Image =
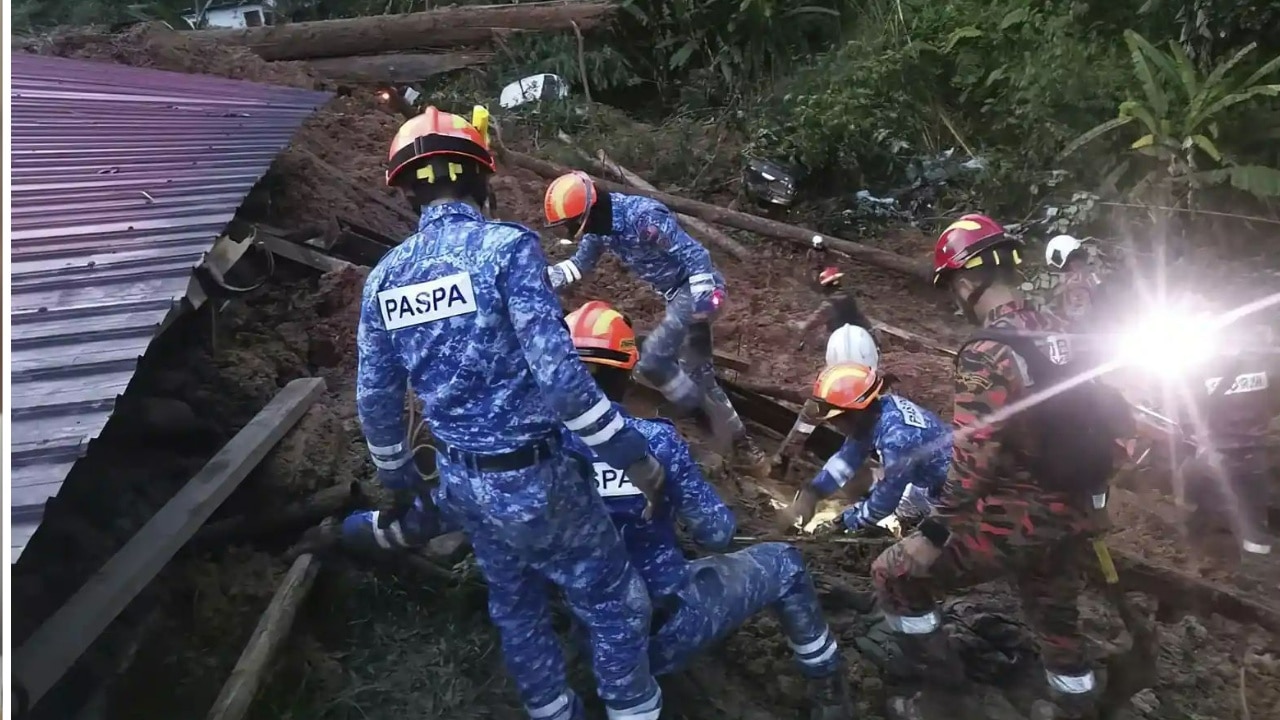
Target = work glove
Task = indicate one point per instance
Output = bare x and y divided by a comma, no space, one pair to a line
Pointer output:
706,300
400,488
647,474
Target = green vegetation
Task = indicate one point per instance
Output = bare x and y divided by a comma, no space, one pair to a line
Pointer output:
860,93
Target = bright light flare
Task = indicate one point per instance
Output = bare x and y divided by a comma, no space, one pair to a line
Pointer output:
1169,342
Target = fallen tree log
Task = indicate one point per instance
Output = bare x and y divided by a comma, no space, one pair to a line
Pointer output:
327,502
443,28
732,218
395,68
238,693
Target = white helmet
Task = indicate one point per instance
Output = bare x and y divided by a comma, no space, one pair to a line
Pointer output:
1059,249
852,344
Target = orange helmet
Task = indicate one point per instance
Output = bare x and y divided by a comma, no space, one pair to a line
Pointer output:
848,386
603,335
436,133
829,276
568,197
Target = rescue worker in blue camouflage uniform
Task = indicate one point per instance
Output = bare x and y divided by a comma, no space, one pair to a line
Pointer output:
644,234
914,446
689,615
461,313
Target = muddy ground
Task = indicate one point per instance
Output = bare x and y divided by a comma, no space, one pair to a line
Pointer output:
389,643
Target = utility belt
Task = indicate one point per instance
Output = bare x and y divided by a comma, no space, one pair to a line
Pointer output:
518,459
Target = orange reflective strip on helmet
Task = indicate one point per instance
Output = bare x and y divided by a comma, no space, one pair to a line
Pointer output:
603,336
848,386
569,196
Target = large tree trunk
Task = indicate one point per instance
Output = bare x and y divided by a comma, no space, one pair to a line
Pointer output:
447,27
395,68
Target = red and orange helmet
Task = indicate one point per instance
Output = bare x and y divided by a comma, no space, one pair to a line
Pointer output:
829,276
569,197
960,246
436,133
603,336
848,386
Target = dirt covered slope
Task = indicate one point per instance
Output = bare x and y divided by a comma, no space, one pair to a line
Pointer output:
384,643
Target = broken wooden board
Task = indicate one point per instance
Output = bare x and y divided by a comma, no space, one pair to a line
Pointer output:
824,442
273,627
304,255
63,638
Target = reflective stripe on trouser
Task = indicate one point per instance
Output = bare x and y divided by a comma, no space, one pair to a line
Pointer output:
724,591
542,526
1046,577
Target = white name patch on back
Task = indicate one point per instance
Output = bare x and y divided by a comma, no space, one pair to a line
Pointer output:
612,482
426,302
911,413
1248,382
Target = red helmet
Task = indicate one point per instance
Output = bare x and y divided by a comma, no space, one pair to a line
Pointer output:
830,276
964,240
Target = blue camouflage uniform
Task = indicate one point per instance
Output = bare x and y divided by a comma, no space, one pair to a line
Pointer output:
461,312
914,447
676,356
701,601
696,602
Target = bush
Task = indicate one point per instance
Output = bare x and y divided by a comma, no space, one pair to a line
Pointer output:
1005,80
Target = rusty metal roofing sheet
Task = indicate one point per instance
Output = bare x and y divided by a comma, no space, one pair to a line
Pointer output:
122,179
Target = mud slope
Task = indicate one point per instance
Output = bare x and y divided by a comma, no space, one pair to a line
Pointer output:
379,645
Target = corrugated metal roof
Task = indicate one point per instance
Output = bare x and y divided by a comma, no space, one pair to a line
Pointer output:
122,179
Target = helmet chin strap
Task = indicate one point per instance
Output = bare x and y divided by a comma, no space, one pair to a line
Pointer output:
969,305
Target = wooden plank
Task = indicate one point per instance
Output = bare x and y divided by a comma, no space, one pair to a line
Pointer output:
56,645
305,255
273,627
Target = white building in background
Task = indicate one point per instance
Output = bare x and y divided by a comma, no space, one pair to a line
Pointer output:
235,14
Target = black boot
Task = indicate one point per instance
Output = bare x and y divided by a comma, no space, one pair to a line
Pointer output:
931,659
829,698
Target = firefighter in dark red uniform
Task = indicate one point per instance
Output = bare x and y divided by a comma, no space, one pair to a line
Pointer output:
997,517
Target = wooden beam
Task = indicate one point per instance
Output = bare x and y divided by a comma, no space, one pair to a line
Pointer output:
273,627
55,645
743,221
305,255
